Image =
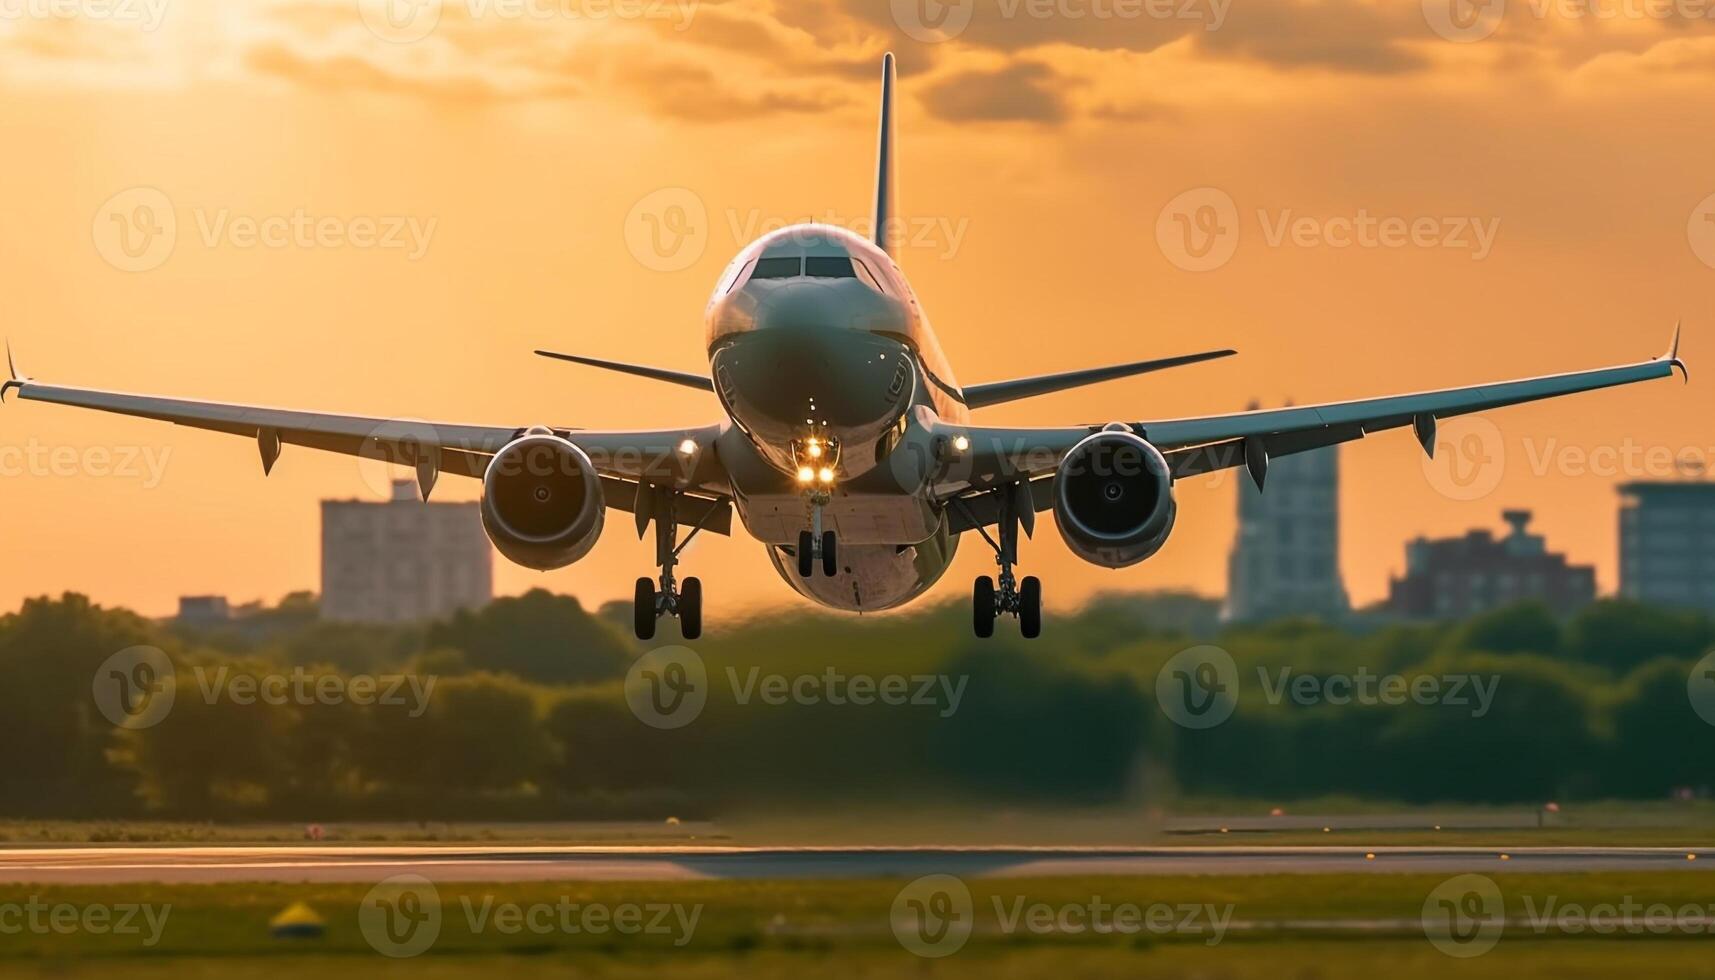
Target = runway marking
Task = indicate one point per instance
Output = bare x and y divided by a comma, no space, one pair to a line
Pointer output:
95,865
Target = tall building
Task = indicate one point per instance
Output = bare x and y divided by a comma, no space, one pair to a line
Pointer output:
1455,577
1667,543
203,610
1286,557
403,560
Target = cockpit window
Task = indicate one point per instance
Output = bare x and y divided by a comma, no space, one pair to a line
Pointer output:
829,267
777,268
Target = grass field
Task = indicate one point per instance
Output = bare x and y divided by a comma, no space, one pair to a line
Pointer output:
1313,926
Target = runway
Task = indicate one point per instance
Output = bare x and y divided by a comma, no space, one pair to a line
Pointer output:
114,865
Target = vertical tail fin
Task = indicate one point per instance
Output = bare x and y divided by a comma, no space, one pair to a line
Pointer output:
884,175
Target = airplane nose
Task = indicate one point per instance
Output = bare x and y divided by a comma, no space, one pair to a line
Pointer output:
805,369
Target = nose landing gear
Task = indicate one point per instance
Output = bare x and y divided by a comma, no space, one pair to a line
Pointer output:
649,602
1021,598
818,544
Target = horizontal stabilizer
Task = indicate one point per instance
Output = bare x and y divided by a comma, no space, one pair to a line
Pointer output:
977,396
643,371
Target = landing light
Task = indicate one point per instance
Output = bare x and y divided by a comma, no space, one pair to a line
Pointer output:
815,449
805,474
826,475
961,443
688,447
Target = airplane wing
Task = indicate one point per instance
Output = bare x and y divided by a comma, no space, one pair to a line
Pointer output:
998,456
623,459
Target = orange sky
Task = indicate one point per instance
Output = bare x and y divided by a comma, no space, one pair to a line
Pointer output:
518,149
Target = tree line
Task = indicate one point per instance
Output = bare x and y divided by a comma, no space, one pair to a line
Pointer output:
521,711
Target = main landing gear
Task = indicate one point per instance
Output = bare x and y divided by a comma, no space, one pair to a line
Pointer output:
1021,598
817,546
670,598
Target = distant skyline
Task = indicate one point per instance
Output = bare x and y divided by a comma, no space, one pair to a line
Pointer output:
277,204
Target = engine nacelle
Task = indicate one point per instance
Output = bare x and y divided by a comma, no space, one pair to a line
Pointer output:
1113,499
542,503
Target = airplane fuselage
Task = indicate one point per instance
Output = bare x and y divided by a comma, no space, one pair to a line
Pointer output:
821,356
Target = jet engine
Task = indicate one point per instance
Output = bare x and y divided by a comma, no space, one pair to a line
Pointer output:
1113,499
542,503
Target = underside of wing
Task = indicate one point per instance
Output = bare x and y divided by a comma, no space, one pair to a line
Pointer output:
680,459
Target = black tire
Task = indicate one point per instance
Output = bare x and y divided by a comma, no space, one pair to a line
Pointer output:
982,607
643,609
830,556
1030,607
806,554
691,608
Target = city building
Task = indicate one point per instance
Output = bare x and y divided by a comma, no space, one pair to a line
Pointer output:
204,610
1455,577
402,560
1286,557
1667,543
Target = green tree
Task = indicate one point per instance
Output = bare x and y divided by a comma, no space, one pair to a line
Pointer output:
538,636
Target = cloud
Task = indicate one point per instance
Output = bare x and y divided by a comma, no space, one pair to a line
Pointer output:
1023,92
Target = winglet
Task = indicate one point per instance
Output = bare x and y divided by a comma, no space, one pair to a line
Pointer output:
13,379
1672,356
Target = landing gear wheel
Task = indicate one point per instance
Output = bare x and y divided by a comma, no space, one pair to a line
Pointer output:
643,609
691,608
806,554
1030,607
830,556
983,608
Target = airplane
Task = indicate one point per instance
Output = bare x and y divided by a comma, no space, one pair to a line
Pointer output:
847,445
